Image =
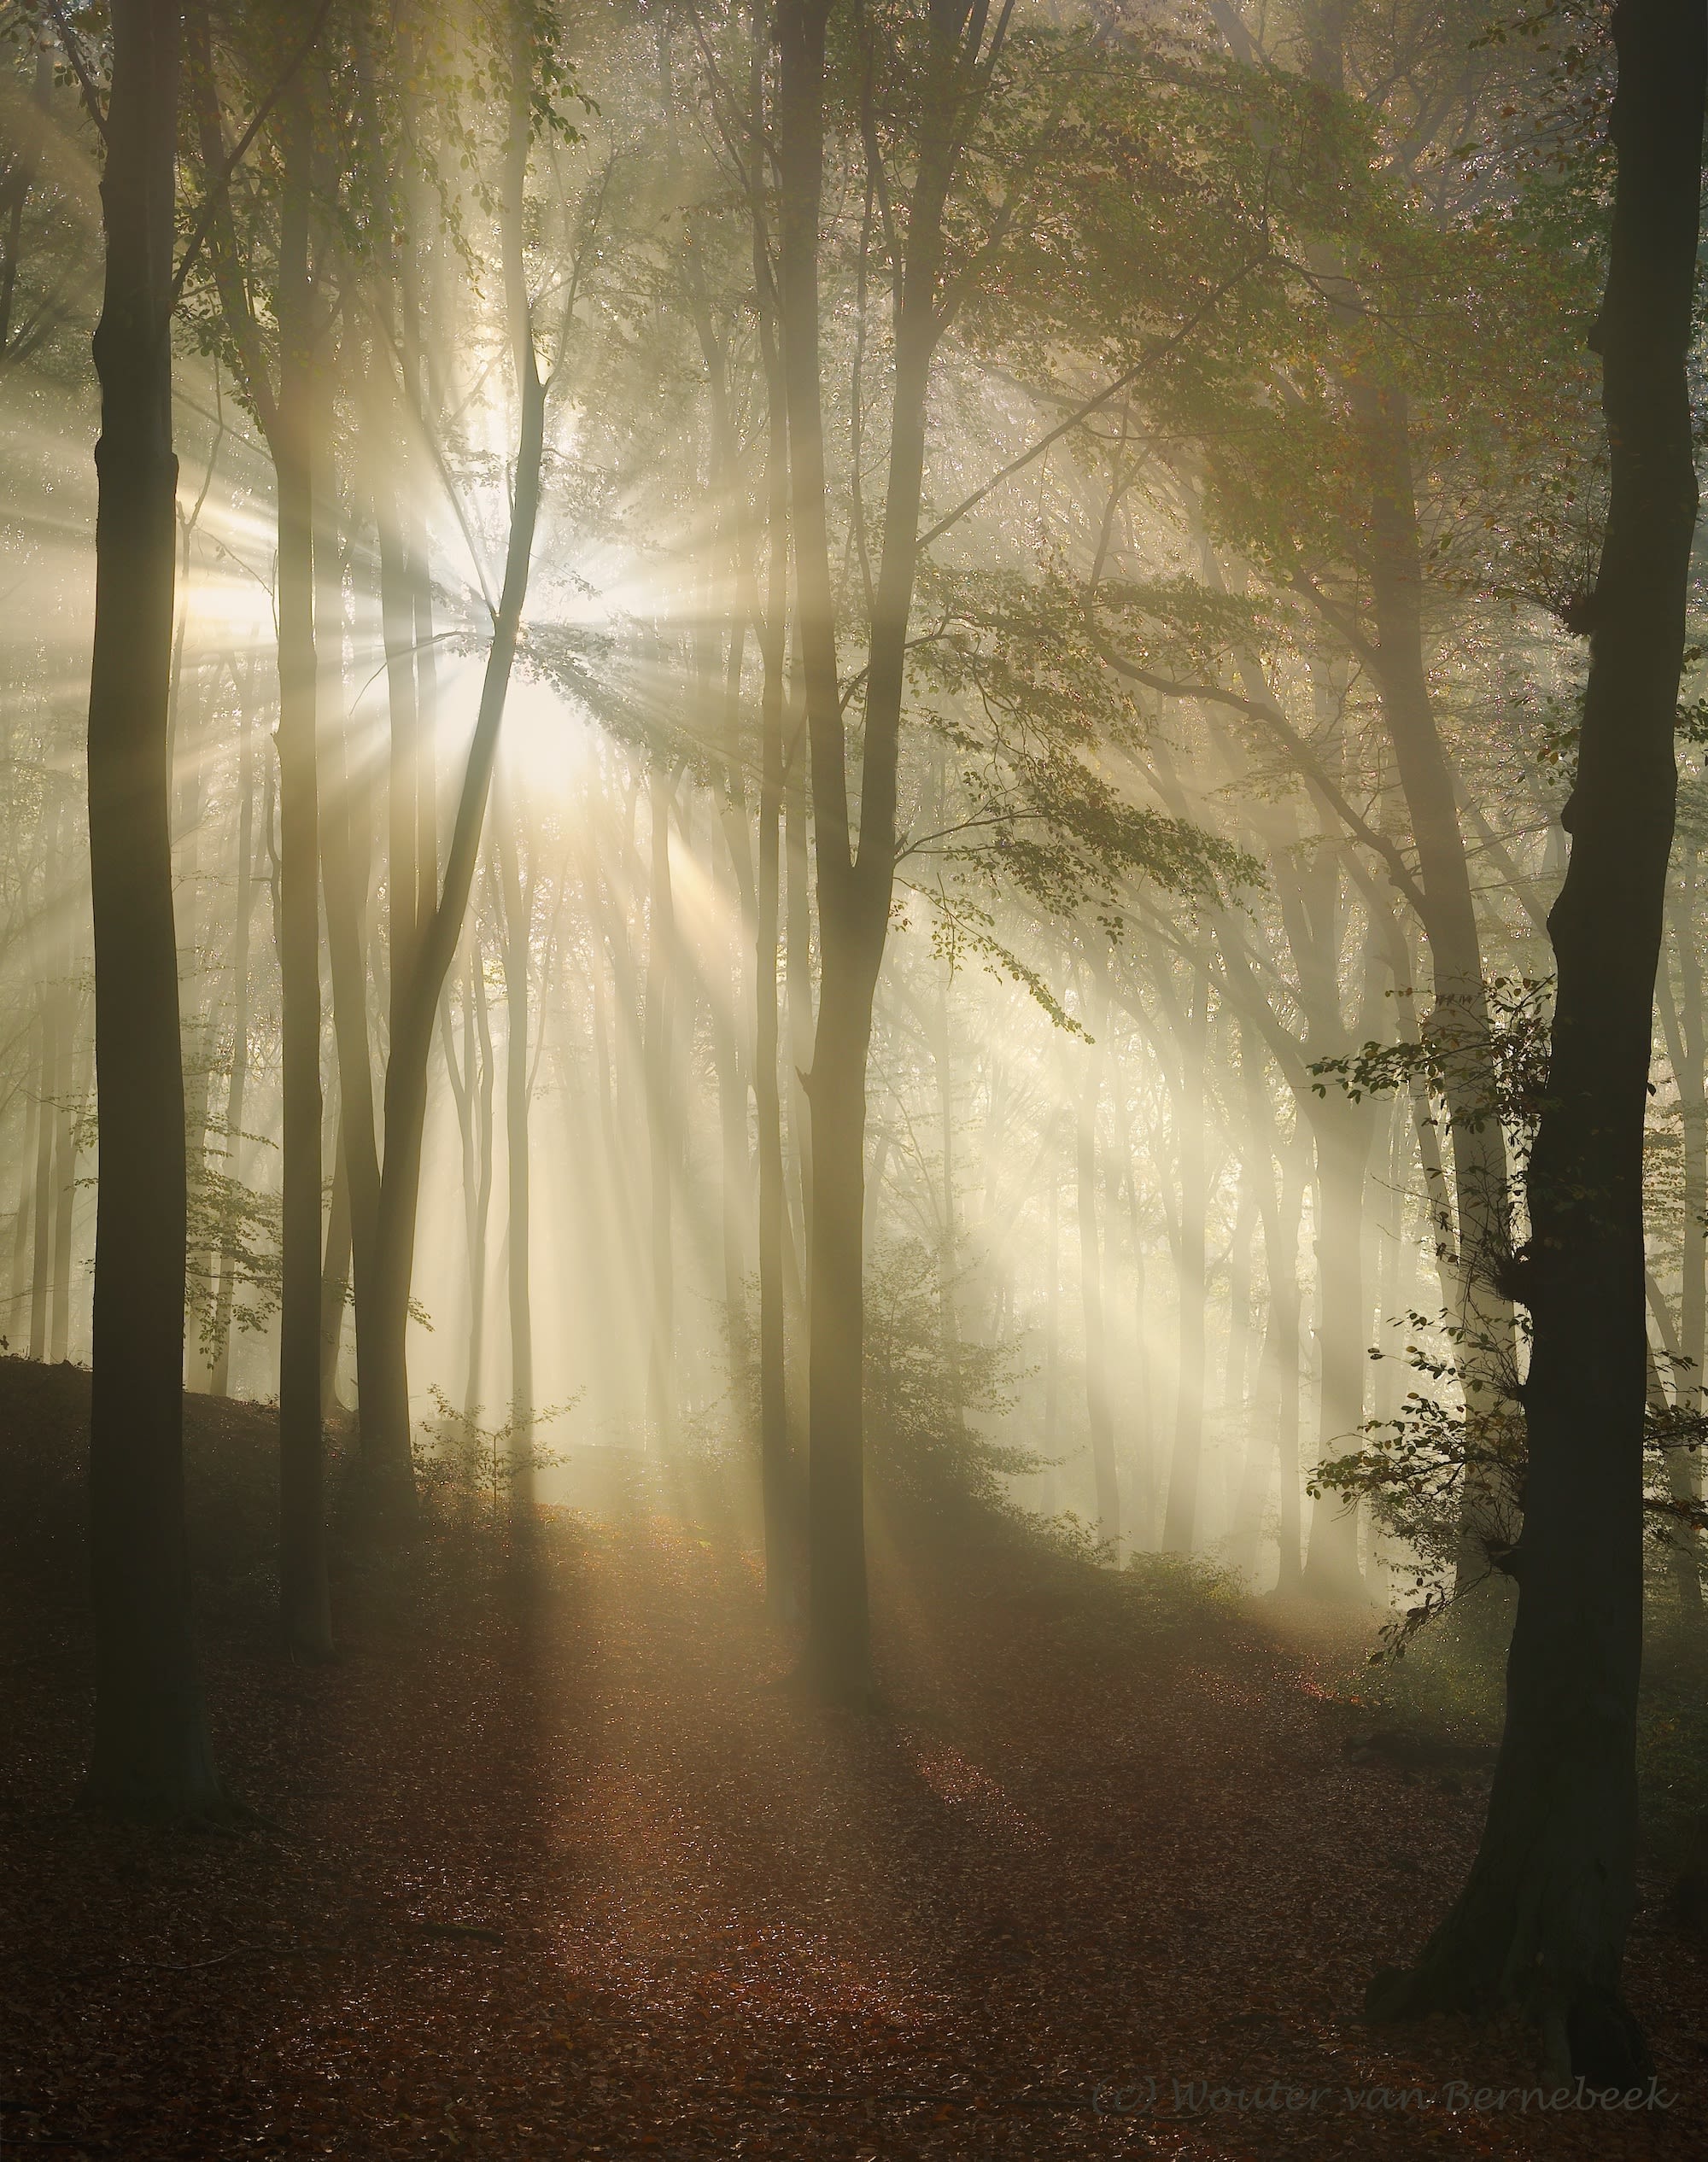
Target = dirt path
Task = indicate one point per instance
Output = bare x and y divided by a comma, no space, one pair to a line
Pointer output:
564,1872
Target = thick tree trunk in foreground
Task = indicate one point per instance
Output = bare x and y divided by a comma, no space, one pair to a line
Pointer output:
151,1754
1542,1919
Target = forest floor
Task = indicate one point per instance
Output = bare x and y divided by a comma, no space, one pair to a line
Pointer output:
548,1864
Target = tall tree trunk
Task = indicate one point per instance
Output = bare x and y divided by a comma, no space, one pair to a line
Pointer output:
15,191
23,1241
305,1600
345,827
798,989
335,1278
1681,1480
483,1101
1142,1512
777,1476
854,885
1099,1413
661,984
47,1132
1682,1019
1343,1132
68,1089
1459,1020
219,1372
518,915
384,1494
151,1754
1542,1919
1179,1528
1052,1322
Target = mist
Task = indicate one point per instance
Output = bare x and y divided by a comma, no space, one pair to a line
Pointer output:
852,1049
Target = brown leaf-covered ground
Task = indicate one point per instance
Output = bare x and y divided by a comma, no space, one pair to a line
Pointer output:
549,1864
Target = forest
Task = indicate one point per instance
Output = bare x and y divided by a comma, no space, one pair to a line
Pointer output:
853,1079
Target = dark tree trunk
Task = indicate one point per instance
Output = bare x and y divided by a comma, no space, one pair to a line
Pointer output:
1542,1919
151,1754
305,1601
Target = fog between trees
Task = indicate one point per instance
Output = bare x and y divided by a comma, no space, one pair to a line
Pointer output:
865,716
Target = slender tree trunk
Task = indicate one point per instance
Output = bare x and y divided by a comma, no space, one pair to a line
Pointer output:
1285,1290
47,1132
345,824
519,913
1543,1920
1052,1323
1459,1021
1099,1413
220,1371
397,630
1343,1132
1144,1529
150,1754
385,1495
948,1251
776,1470
335,1279
661,972
305,1599
798,989
23,1243
68,1090
1687,1576
854,885
1179,1528
483,1187
1258,1180
15,191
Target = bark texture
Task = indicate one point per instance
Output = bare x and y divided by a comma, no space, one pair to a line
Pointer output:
1543,1920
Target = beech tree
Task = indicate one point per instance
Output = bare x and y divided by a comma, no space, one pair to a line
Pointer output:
151,1754
1543,1920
